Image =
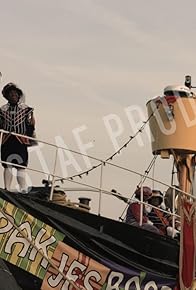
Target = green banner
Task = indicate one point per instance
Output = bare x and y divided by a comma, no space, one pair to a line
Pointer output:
19,232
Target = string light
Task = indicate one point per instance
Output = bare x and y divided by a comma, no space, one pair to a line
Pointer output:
140,130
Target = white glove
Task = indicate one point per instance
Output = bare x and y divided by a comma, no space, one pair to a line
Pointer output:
149,222
170,232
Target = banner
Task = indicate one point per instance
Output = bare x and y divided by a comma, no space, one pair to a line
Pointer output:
61,267
17,230
89,274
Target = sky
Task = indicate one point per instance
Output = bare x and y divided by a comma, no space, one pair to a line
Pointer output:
83,64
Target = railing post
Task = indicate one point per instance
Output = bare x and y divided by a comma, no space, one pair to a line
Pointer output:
1,137
141,205
53,175
100,189
173,212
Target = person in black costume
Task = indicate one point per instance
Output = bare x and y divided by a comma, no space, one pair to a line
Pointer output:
15,117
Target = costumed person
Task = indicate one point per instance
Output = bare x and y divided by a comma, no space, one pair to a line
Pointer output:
160,219
133,211
15,117
169,197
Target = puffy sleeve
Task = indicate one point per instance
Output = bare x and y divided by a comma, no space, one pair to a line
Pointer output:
135,209
1,119
30,122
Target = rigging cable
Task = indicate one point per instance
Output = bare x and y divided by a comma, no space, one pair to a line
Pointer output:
147,171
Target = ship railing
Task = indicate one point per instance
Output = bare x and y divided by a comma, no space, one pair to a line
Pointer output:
54,177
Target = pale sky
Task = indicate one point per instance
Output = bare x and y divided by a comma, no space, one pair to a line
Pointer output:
81,60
